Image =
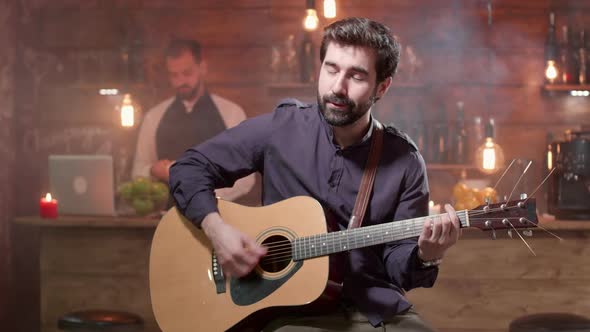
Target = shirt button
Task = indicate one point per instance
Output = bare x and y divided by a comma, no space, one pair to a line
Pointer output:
338,152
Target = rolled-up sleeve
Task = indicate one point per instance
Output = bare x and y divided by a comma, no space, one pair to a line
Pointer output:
217,163
400,257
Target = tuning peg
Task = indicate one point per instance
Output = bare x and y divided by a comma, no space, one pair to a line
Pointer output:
523,196
510,233
528,232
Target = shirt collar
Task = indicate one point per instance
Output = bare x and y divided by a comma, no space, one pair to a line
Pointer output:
330,131
189,107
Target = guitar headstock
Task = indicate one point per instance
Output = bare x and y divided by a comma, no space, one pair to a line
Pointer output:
513,214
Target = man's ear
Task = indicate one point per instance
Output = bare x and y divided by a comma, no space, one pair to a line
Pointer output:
203,67
383,87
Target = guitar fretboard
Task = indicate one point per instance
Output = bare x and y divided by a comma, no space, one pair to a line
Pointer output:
334,242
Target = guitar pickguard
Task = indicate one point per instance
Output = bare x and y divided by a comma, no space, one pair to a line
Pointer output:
253,287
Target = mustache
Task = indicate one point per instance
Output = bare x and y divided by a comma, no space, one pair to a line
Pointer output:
338,100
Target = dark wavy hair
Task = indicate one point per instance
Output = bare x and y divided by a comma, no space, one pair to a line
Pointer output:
178,46
357,31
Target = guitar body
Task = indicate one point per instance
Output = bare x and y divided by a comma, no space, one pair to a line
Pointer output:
186,293
189,292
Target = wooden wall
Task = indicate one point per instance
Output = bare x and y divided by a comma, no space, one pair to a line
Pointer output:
7,148
67,49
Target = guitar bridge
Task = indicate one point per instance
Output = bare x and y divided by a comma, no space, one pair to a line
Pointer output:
218,276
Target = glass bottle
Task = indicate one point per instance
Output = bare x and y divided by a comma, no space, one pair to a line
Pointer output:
582,54
459,144
566,60
306,59
440,138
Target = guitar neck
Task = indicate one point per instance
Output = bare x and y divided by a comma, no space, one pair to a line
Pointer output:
335,242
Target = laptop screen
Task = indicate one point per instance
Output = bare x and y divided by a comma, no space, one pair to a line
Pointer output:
83,184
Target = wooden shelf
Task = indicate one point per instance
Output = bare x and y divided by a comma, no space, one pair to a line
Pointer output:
292,89
449,167
298,89
563,89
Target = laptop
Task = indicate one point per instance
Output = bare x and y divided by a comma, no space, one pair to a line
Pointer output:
83,184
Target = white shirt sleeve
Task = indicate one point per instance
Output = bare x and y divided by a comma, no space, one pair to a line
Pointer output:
145,151
232,114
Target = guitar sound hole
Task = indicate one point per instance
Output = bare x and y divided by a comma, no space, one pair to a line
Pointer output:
278,255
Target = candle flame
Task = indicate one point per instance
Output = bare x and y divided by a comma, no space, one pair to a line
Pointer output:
431,204
48,197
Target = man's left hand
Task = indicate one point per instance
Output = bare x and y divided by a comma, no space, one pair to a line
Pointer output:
439,233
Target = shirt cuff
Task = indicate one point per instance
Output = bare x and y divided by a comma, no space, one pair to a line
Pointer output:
200,206
421,276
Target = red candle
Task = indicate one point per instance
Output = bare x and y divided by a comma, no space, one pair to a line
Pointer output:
48,207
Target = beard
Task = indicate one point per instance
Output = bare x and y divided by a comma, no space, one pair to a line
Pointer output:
343,116
188,93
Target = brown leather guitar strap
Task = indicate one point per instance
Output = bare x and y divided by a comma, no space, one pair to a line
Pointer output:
366,186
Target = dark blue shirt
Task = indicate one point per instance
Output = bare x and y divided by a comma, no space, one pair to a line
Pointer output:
294,150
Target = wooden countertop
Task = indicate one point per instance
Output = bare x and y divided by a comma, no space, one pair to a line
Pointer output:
90,221
545,221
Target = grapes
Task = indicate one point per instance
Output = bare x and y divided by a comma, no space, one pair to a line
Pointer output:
144,195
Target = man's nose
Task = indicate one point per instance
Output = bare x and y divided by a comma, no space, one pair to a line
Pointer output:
339,86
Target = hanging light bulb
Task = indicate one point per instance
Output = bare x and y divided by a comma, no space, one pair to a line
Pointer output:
127,112
489,157
549,157
551,71
311,20
329,8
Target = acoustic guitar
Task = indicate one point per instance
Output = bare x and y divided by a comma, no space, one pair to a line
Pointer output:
189,291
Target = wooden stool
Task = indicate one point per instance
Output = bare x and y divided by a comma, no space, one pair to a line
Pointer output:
100,320
550,322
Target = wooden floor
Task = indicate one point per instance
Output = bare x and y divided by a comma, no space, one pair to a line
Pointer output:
483,284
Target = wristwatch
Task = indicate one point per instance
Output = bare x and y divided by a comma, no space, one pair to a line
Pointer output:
430,263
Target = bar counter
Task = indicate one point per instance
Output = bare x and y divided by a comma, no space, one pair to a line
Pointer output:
94,263
483,284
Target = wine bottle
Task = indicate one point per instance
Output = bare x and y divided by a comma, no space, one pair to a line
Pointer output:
440,138
476,136
459,144
582,54
417,131
399,120
566,60
306,61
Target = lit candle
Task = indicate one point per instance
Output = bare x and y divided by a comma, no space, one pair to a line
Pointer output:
48,207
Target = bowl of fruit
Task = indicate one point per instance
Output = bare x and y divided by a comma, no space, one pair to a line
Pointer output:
144,195
466,198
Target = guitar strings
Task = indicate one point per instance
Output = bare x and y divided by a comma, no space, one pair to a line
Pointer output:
282,250
284,243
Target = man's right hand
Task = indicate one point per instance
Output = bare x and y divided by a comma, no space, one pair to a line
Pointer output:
237,253
161,170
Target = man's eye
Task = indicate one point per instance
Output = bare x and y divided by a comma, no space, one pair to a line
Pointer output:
358,78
